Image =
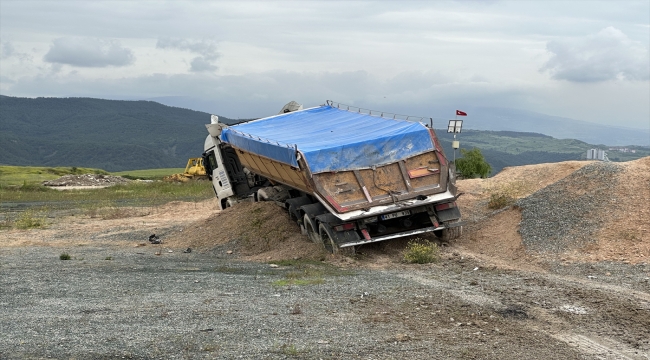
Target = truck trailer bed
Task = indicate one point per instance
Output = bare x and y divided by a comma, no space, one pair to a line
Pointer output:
351,160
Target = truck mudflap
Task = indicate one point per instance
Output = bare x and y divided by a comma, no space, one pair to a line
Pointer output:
448,214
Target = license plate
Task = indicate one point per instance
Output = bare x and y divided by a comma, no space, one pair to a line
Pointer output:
396,214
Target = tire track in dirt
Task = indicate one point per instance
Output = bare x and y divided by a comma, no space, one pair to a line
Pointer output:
612,311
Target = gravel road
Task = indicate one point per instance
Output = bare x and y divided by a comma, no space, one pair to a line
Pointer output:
515,286
113,301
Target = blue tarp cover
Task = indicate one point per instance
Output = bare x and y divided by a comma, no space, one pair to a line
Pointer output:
331,139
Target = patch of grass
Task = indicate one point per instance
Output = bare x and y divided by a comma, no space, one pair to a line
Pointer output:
210,348
149,174
420,251
506,194
307,272
116,212
65,256
290,350
6,224
299,263
28,220
298,282
499,201
630,235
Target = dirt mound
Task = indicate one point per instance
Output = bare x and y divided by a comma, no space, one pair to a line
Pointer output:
625,235
581,211
87,180
568,213
258,231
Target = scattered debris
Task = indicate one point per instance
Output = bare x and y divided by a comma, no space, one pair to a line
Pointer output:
87,180
579,310
154,239
295,309
402,337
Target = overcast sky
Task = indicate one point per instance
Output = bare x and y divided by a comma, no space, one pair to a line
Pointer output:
578,59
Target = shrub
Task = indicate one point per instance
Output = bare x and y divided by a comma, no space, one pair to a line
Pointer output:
28,220
473,164
420,251
506,194
500,200
65,256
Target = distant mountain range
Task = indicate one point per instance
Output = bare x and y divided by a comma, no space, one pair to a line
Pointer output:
117,135
504,119
109,134
498,119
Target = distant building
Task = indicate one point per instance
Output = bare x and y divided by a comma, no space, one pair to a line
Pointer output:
625,150
596,154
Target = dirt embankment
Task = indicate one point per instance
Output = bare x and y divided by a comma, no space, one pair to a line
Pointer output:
571,211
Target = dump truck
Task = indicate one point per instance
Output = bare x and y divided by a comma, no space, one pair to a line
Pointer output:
347,176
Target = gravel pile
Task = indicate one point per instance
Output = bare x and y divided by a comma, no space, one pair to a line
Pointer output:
87,180
567,213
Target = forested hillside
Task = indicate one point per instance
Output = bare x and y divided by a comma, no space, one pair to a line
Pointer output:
126,135
108,134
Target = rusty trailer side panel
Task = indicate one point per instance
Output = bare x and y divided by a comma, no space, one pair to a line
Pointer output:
406,179
276,171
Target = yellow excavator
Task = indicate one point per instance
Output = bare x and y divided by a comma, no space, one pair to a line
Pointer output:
194,170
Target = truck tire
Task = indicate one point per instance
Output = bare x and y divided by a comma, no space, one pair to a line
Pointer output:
327,237
449,234
311,229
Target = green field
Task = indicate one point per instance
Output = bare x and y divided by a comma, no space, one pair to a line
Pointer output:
149,173
21,189
30,175
22,175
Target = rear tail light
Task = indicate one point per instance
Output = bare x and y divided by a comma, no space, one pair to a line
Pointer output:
445,206
344,227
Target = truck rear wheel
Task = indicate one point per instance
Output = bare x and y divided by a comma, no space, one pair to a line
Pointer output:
327,237
449,234
312,230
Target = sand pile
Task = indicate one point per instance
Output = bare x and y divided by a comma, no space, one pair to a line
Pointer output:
582,211
258,231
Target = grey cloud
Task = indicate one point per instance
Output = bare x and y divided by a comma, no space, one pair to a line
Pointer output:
205,48
606,55
6,50
88,52
200,64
